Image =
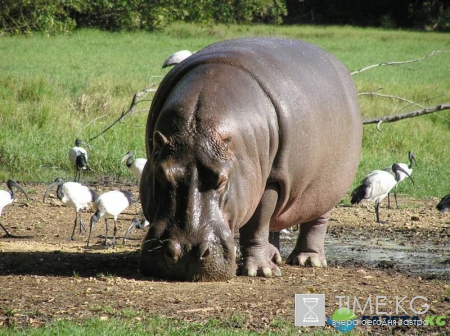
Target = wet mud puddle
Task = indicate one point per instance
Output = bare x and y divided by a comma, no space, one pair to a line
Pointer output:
427,260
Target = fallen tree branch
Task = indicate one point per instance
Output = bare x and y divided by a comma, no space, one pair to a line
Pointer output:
411,114
433,53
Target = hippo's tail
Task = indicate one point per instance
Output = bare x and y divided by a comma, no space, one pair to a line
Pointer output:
358,194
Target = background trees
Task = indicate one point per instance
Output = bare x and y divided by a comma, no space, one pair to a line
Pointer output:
50,16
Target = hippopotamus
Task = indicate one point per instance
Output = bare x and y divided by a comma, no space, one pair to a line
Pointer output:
247,136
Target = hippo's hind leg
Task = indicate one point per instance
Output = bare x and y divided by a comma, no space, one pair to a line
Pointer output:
259,256
309,250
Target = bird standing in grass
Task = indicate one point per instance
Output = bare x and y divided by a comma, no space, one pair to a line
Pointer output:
376,186
137,223
135,166
75,195
110,205
79,158
407,168
443,205
176,58
7,197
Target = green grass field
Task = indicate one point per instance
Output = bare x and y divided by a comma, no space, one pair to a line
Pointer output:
138,325
54,89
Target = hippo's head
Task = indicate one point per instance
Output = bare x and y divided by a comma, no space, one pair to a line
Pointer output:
183,190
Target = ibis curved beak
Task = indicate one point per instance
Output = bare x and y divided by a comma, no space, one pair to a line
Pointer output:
48,190
85,143
17,185
126,157
396,168
412,160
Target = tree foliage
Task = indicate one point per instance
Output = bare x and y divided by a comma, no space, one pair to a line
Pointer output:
50,16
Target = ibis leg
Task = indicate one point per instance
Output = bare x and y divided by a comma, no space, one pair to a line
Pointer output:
74,227
395,195
90,231
377,211
115,232
106,234
6,231
82,228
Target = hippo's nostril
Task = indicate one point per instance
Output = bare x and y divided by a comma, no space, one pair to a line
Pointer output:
173,250
205,252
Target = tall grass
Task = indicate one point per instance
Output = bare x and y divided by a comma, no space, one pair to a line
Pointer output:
55,89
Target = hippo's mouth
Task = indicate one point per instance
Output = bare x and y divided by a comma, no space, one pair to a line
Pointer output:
219,265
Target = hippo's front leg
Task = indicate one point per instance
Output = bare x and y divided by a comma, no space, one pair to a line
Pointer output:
259,256
309,249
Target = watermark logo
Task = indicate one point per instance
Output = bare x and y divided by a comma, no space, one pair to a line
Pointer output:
310,310
343,319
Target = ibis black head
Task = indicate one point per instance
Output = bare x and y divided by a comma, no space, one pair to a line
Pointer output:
128,158
396,169
79,142
11,183
57,182
412,159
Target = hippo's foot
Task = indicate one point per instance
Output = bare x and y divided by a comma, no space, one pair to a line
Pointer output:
309,250
307,259
261,262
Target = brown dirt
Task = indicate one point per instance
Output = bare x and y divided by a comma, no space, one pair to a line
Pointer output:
44,276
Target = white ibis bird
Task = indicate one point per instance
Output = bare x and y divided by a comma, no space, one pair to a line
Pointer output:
110,205
135,166
79,158
376,186
7,197
137,223
176,58
443,205
407,168
75,195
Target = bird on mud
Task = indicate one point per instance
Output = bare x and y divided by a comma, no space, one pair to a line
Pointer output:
407,168
176,58
7,197
137,223
443,205
78,158
75,195
110,205
376,186
135,166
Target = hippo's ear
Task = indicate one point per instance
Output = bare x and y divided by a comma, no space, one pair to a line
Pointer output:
160,139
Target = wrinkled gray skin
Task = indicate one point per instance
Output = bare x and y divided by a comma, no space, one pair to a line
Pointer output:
254,135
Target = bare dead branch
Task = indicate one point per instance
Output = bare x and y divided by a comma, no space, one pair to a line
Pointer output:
135,101
411,114
389,96
433,53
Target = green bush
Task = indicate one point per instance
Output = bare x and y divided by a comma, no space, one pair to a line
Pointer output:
26,16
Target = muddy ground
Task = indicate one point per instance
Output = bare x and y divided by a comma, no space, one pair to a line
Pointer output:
44,276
